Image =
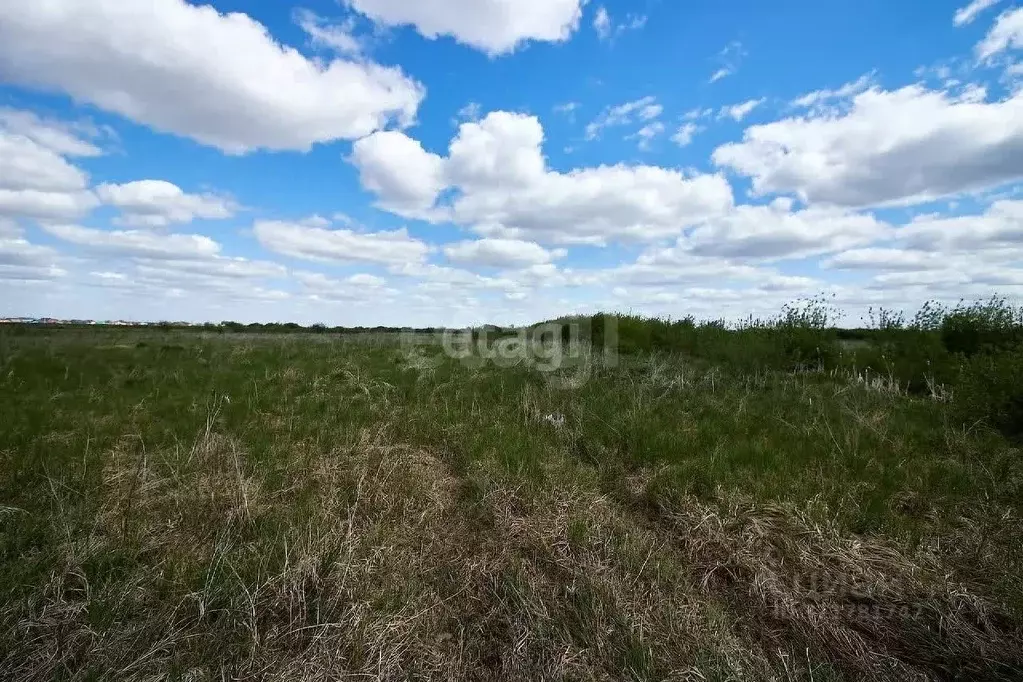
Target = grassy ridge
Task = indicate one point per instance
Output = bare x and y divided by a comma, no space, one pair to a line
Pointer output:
718,504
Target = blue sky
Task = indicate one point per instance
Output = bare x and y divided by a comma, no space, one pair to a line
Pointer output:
448,162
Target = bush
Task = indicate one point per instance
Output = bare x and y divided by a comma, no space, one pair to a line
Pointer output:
983,327
991,391
975,350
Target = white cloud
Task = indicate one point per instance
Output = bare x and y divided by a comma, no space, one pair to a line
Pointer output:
885,258
947,256
492,26
28,273
502,150
442,279
338,37
683,137
56,136
136,243
730,57
507,191
899,147
776,232
647,134
343,246
818,97
222,267
29,165
36,181
645,108
650,111
406,177
470,112
361,287
504,189
9,229
46,206
501,253
110,276
998,231
157,203
737,112
664,266
606,29
1007,33
171,277
20,259
723,72
921,279
229,84
633,22
602,23
965,15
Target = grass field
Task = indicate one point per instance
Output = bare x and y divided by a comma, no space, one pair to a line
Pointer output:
197,506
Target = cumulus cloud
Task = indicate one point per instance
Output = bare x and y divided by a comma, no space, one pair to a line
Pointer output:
216,266
46,206
998,231
676,265
492,26
229,85
157,203
776,232
900,147
57,136
176,277
355,288
339,245
946,256
503,188
885,258
36,180
406,177
137,243
147,263
501,253
30,165
21,260
440,279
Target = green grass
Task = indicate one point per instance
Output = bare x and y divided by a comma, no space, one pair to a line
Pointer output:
210,506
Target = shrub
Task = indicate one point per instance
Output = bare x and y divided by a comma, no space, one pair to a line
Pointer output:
990,390
981,327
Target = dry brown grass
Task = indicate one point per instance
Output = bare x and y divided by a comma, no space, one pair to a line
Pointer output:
376,560
866,606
